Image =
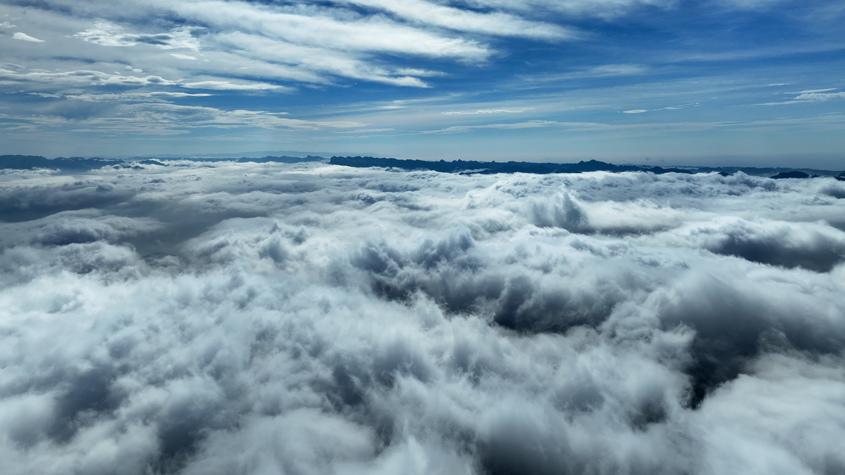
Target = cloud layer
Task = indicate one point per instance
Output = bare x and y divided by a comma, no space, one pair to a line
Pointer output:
308,319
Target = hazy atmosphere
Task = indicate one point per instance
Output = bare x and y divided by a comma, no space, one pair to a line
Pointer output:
422,237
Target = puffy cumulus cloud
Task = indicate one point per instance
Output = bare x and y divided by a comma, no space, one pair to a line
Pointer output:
218,317
815,246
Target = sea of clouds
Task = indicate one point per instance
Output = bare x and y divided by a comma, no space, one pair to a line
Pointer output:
237,318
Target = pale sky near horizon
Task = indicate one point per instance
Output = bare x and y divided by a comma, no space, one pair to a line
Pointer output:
722,82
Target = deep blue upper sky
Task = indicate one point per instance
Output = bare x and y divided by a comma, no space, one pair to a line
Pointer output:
660,81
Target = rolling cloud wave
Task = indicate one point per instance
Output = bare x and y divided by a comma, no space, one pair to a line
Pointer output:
308,319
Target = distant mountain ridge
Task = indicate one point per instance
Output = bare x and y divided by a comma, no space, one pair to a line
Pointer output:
462,166
79,164
31,162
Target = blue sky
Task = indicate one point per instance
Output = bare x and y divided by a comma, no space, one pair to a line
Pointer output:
752,82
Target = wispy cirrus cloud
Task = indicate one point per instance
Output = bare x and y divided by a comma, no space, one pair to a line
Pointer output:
290,43
483,112
105,33
90,77
152,115
317,59
490,23
811,95
522,125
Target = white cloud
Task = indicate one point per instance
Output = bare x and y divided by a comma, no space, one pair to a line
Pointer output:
635,111
83,77
126,96
152,113
104,33
601,71
183,56
819,95
495,23
811,95
486,112
528,124
372,34
62,79
226,85
24,37
422,73
316,59
609,70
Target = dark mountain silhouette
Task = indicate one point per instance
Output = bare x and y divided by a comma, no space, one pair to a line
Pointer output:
792,174
30,162
150,161
78,164
461,166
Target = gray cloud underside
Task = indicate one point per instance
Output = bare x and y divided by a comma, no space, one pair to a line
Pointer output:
309,319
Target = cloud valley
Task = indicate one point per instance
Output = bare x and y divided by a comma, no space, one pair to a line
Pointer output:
306,319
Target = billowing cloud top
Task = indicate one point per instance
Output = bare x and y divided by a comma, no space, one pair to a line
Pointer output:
205,318
607,79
